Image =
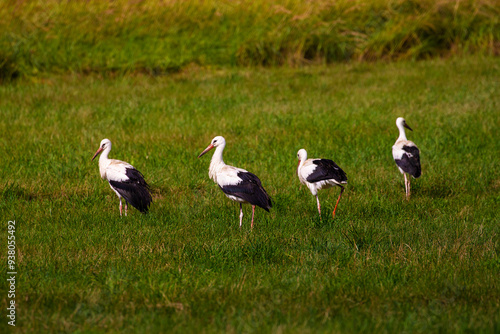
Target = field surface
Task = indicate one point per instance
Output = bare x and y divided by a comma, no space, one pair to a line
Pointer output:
383,264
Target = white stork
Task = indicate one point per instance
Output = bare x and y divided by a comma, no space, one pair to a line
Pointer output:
124,179
236,183
319,174
406,155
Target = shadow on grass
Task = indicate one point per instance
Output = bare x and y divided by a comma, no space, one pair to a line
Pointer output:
12,191
434,190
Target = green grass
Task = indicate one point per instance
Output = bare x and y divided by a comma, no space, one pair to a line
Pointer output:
157,37
383,265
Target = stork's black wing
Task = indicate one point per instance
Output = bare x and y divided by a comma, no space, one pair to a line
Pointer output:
249,189
135,190
410,161
326,169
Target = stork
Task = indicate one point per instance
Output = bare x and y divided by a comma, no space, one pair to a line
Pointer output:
237,184
319,174
124,179
406,155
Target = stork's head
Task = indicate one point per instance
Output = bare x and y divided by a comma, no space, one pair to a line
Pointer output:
400,122
105,144
217,141
302,156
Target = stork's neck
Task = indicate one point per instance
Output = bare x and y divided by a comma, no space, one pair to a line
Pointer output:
402,133
104,162
302,160
216,163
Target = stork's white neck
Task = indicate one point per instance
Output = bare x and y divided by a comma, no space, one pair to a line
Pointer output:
104,162
216,163
402,133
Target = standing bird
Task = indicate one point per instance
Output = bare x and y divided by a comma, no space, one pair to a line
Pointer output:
124,179
406,155
319,174
236,183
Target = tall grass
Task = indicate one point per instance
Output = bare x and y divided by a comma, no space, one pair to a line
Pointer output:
161,36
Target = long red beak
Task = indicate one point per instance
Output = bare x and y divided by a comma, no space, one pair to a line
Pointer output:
298,168
206,150
97,153
406,126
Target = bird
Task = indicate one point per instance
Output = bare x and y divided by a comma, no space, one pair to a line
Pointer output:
124,179
406,155
237,184
319,174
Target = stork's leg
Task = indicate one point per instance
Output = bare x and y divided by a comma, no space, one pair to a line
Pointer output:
409,188
253,213
126,208
319,206
241,214
120,206
406,186
338,200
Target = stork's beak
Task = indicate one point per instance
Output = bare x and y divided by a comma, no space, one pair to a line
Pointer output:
206,150
406,126
298,168
97,153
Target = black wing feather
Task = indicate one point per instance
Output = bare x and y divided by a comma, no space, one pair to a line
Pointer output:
410,161
135,190
249,189
326,169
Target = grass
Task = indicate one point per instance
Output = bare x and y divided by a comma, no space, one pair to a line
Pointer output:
158,37
383,265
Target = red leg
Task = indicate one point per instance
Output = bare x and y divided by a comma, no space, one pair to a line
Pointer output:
253,213
338,200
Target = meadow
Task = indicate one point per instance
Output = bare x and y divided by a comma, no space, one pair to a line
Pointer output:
383,264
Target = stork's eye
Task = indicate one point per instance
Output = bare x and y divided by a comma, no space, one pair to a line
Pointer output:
215,141
103,145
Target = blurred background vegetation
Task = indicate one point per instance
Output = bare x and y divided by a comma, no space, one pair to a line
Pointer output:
155,37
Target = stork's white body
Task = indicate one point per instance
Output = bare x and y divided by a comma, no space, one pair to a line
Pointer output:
113,170
225,175
306,169
319,174
238,184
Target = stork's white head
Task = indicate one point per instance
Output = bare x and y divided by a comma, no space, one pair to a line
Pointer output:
302,155
217,141
105,144
400,123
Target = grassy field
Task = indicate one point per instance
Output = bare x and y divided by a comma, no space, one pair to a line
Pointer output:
383,265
